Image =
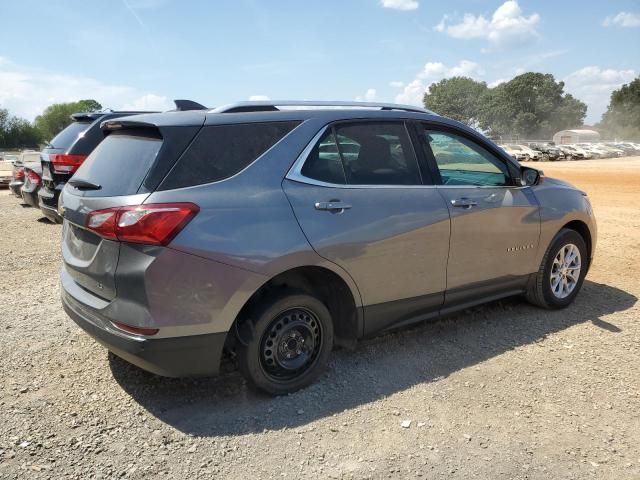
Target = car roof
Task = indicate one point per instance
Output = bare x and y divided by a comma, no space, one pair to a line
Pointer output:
247,112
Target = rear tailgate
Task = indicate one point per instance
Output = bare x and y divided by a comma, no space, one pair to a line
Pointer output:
89,259
116,174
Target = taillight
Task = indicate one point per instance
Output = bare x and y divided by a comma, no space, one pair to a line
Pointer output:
34,177
19,173
137,330
153,224
63,163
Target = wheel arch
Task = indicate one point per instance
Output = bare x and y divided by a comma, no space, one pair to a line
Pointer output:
340,296
583,229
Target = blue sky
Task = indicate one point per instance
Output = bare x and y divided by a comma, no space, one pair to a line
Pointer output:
143,53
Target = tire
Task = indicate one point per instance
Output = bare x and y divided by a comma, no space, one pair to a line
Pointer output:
290,324
541,291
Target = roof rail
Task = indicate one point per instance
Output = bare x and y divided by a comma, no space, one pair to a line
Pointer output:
272,106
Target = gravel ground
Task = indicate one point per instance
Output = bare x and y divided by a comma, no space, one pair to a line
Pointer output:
502,391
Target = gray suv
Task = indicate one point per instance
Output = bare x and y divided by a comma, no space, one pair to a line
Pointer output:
272,231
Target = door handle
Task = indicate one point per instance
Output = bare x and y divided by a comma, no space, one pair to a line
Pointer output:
332,206
464,202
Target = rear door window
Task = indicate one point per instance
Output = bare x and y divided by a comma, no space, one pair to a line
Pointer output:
368,153
377,153
69,135
221,151
120,163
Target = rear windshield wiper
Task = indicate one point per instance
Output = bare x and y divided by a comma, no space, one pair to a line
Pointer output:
84,184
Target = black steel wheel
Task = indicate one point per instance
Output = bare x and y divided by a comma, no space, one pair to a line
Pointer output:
291,344
285,342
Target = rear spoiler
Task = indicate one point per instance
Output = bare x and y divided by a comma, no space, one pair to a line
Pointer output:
186,105
86,116
120,123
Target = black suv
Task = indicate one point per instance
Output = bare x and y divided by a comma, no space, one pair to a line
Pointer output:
66,152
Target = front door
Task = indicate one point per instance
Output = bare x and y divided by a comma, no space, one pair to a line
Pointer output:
361,201
495,224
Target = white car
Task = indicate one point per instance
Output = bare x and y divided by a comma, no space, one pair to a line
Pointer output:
534,155
613,152
7,161
515,152
594,149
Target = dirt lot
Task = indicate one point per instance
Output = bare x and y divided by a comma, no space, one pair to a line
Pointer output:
503,391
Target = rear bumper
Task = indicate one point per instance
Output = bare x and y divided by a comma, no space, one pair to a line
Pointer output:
48,203
187,356
16,187
30,197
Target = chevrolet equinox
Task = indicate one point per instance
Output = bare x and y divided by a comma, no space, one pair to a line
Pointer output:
272,231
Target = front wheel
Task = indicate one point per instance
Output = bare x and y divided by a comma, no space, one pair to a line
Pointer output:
286,342
561,271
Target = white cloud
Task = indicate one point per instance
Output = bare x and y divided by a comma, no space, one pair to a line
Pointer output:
400,4
508,27
149,101
396,84
593,85
623,19
413,92
258,98
369,96
26,92
497,82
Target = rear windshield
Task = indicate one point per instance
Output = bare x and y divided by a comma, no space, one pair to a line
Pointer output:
221,151
120,163
69,135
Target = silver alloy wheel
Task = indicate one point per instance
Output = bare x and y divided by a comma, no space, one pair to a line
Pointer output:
565,271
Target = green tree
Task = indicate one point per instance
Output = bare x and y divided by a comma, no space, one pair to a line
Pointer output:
57,116
17,132
457,97
530,105
622,118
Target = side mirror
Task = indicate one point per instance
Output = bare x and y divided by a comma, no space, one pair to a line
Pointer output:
530,176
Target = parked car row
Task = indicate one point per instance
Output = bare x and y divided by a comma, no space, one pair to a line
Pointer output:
536,151
39,177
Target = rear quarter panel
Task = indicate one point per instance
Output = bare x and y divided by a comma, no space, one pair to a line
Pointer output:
247,222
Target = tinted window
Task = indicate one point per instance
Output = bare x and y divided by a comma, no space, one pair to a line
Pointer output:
463,162
69,135
323,163
221,151
377,153
120,163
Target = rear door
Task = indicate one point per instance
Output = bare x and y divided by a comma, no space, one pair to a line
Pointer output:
495,223
361,200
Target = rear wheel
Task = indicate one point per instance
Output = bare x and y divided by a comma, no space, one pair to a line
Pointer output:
286,342
561,272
